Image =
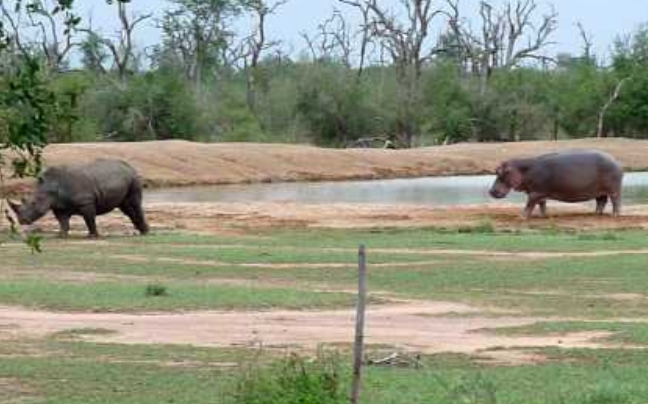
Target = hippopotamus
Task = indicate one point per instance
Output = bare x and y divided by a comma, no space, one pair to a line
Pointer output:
568,176
86,190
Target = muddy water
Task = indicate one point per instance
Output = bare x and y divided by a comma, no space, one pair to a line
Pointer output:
432,191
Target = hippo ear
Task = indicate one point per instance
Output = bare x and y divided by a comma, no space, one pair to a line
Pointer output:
514,177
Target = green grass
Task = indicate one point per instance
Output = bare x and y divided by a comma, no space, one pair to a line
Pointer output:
59,371
633,333
185,265
177,271
120,297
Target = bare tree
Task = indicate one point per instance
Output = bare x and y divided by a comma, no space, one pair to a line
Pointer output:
407,42
365,33
51,33
257,43
122,48
332,41
500,43
197,33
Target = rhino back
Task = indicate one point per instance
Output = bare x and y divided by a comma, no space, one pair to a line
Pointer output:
103,183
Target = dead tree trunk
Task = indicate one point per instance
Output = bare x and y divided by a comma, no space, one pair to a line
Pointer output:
257,43
600,131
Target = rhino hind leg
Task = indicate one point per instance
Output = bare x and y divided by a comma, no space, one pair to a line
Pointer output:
133,209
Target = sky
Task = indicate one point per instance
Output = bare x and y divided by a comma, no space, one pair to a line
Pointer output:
603,19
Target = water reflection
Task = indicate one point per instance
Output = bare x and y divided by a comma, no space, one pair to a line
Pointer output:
432,191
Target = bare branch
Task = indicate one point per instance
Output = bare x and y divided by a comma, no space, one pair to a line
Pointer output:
121,50
587,42
256,44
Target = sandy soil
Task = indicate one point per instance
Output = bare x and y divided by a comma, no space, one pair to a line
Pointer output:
416,326
228,218
185,163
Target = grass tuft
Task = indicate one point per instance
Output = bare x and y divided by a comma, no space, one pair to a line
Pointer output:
156,290
483,227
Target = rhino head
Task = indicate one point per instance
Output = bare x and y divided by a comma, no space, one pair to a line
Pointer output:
29,211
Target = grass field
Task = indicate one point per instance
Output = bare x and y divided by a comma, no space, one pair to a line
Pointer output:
551,275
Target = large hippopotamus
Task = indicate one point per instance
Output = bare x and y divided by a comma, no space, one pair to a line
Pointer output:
568,176
86,190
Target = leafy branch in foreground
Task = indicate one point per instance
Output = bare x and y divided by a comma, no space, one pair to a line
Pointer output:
25,99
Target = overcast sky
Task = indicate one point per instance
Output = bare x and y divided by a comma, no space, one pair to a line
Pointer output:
604,19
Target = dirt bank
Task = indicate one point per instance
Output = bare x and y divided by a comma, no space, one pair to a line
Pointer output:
177,163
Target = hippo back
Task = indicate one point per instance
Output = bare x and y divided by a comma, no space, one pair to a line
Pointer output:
574,175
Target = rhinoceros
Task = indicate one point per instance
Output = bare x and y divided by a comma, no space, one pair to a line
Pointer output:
86,190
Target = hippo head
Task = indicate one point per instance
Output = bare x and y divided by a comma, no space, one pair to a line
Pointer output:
31,210
508,177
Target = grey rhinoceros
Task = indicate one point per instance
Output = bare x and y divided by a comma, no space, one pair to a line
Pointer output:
86,190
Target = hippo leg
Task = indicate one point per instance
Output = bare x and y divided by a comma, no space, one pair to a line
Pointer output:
601,201
543,208
616,204
532,201
64,223
89,216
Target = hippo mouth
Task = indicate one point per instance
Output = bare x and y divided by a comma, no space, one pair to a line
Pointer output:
497,194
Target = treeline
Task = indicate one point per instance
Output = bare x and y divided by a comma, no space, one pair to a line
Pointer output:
389,78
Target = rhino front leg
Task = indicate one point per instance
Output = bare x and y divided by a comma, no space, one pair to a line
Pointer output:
89,216
64,223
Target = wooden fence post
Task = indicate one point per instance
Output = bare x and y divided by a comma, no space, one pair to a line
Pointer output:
360,320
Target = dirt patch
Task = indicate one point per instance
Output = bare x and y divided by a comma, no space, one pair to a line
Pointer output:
14,391
178,163
418,327
61,275
222,217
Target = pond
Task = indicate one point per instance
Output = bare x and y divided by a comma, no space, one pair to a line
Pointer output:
430,191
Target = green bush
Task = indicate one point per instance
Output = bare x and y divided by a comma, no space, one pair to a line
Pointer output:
333,105
155,105
294,380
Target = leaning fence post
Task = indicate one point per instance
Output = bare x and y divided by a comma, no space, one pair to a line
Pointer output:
360,320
